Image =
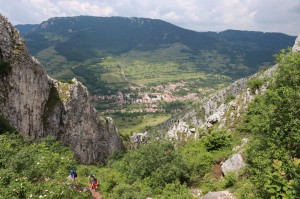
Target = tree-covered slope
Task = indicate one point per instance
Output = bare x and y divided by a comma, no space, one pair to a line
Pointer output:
274,121
98,47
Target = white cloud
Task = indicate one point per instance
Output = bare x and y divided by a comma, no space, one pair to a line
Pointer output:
83,8
199,15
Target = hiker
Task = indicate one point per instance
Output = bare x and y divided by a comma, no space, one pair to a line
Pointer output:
73,174
93,181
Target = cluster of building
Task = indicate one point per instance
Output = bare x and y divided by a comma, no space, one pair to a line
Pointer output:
150,97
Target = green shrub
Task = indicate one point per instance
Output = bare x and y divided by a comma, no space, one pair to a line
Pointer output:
35,170
229,99
217,140
131,191
158,161
230,179
176,191
273,120
5,67
197,159
278,184
5,126
255,83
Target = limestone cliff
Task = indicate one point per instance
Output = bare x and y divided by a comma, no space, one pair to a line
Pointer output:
37,105
70,117
296,47
24,85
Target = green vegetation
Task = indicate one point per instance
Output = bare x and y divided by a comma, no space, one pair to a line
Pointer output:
173,106
4,67
5,126
229,99
217,140
53,99
156,169
161,171
255,83
137,122
35,170
274,120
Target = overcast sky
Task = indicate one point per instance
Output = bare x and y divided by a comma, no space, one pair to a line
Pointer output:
199,15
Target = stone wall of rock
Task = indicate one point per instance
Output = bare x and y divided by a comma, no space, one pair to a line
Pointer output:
24,85
70,117
37,105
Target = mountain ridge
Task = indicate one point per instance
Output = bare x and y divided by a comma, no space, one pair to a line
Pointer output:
155,32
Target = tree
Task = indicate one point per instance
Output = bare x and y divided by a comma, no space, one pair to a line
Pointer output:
274,120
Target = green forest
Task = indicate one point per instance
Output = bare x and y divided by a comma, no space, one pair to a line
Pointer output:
165,169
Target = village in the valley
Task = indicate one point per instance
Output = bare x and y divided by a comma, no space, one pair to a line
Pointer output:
147,99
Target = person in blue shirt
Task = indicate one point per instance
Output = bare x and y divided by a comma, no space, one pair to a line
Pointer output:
73,174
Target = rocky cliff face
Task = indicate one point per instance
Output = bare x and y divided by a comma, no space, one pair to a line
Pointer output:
70,117
296,47
37,105
24,85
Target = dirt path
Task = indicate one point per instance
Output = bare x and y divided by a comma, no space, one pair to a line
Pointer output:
95,194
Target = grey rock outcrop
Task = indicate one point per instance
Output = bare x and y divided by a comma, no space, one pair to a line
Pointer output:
70,117
37,105
233,164
24,86
296,47
218,195
138,138
181,130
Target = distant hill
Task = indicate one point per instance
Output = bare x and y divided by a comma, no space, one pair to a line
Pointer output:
100,47
23,29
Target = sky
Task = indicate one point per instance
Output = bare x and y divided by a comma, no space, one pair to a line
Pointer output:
199,15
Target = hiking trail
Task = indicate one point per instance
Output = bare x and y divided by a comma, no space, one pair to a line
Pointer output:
95,194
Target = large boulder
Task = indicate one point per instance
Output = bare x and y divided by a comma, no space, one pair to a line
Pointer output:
233,164
218,195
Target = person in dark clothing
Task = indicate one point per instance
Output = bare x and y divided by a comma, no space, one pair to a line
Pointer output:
73,174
